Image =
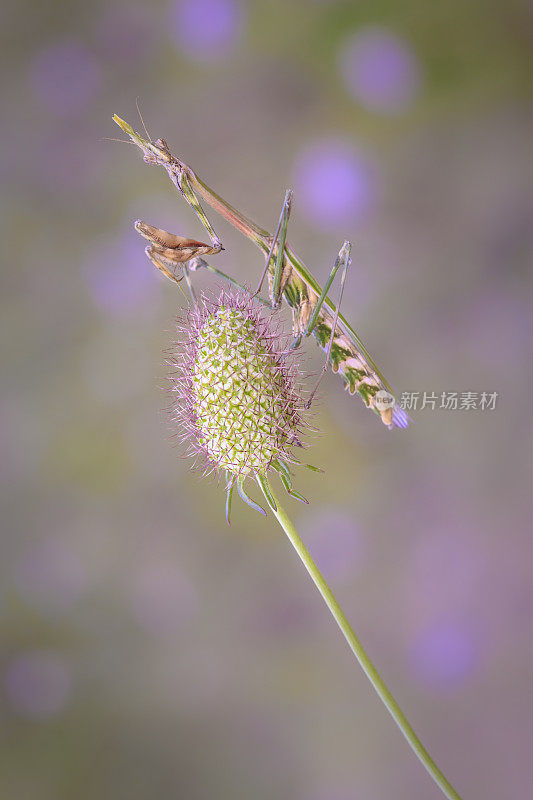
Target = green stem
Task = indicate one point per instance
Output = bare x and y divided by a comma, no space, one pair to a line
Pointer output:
359,652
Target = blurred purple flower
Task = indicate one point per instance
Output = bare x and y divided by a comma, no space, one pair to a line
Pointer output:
51,574
119,275
65,77
335,184
162,599
38,683
379,70
443,655
207,30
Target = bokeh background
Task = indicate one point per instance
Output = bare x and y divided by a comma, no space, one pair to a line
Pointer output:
148,650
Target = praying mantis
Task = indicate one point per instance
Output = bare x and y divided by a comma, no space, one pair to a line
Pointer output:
313,311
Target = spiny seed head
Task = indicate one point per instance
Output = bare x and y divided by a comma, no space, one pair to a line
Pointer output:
236,396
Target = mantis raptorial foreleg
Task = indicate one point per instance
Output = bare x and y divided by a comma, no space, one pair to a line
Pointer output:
166,266
168,252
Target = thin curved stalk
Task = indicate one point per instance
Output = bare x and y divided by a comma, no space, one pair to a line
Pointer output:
359,652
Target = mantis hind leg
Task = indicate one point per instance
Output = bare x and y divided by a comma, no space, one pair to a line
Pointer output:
343,259
278,242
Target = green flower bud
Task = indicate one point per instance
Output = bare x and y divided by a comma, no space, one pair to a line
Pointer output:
236,395
240,394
